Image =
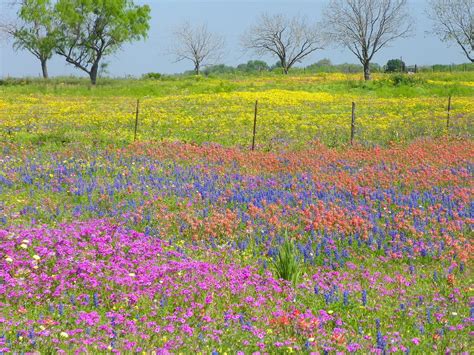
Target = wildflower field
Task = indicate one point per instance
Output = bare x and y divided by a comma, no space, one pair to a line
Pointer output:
291,111
186,241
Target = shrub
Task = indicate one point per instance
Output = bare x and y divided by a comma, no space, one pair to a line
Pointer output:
253,66
395,66
406,79
154,76
218,69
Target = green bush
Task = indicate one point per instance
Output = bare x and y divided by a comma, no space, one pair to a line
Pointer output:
218,69
395,66
406,79
253,66
154,76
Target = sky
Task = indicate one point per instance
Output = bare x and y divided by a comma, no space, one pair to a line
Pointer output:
230,19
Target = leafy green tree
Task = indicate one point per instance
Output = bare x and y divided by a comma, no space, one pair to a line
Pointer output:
35,31
90,30
395,65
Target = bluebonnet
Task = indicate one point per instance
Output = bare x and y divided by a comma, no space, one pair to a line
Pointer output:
95,299
346,297
364,297
380,341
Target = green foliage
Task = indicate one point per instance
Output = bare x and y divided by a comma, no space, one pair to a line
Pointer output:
464,67
36,32
217,69
395,66
253,66
406,79
92,29
277,66
154,76
286,264
325,66
375,68
381,87
325,62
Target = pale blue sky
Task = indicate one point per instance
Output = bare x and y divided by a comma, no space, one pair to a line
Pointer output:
230,18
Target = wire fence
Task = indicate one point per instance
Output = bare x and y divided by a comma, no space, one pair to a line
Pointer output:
283,119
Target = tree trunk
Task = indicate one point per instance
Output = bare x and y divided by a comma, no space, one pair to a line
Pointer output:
366,71
284,64
93,73
44,68
197,69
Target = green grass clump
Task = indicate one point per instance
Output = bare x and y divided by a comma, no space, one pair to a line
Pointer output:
287,266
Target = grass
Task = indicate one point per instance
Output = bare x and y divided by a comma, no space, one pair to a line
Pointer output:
381,86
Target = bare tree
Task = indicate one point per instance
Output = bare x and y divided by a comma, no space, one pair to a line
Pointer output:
289,39
197,45
366,26
453,21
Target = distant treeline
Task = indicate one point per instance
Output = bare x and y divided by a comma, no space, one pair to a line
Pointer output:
321,66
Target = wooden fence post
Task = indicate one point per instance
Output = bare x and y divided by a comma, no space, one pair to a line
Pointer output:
353,123
449,112
254,124
136,121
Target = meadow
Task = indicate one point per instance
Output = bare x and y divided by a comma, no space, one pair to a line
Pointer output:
187,241
292,110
